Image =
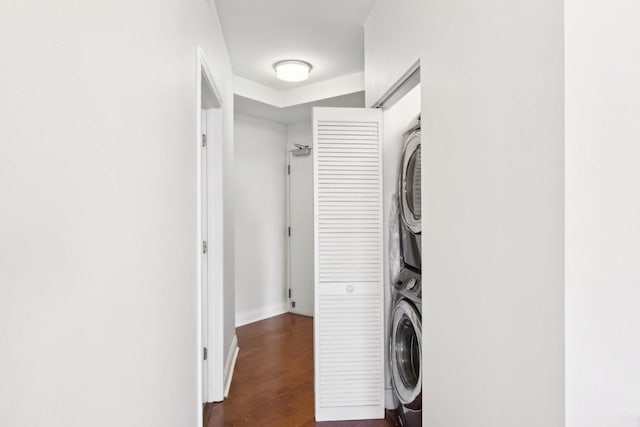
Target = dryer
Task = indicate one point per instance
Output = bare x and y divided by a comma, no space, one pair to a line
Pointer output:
409,192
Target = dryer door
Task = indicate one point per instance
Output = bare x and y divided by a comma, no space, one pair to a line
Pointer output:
410,184
406,354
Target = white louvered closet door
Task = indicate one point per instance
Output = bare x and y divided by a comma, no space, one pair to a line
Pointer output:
349,317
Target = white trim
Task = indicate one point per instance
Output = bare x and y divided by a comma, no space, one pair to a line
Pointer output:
199,343
215,335
254,90
288,224
406,82
343,85
250,316
205,71
301,312
230,366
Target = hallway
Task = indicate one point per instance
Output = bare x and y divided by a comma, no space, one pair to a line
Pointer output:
273,380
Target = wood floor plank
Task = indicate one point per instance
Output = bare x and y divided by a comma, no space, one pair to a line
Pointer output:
273,380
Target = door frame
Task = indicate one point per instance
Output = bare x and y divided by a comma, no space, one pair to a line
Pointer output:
401,87
211,333
288,230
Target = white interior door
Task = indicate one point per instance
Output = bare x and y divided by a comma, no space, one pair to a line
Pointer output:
301,234
348,258
204,188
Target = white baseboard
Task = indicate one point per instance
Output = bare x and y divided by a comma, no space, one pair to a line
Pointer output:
230,365
250,316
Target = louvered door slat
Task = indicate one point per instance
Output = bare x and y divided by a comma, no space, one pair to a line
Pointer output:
348,333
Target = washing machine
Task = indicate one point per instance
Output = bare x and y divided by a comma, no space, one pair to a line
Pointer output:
405,345
405,339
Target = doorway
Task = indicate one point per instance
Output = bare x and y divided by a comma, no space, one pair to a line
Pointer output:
209,236
300,230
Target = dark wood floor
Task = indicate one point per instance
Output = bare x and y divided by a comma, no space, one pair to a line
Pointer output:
273,380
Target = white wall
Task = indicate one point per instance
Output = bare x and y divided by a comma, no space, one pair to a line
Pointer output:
98,210
602,212
260,164
492,106
392,41
397,120
299,133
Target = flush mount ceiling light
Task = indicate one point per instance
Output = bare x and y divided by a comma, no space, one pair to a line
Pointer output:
292,70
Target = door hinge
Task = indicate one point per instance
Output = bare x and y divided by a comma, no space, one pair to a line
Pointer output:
205,247
289,231
293,304
288,169
289,293
204,140
205,353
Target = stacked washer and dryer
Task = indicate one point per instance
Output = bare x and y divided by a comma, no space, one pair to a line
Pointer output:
405,343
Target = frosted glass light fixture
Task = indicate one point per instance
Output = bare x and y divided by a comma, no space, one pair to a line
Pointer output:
292,70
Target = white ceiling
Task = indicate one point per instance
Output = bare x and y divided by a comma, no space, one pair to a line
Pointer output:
326,33
294,114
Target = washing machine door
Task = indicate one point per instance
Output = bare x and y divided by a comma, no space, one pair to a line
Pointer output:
406,354
410,183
